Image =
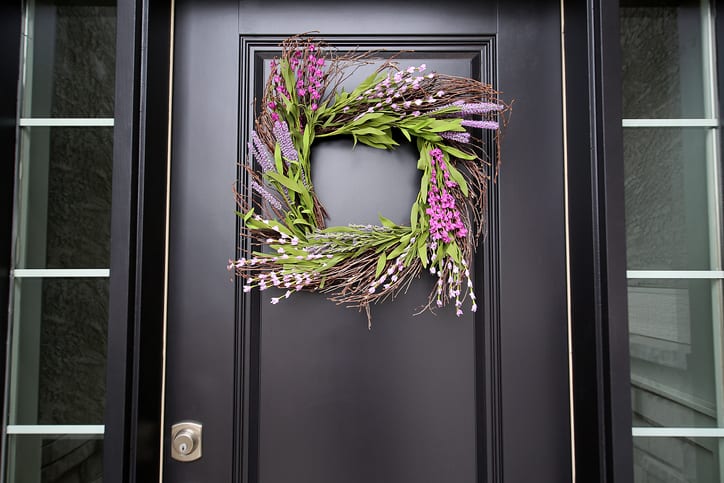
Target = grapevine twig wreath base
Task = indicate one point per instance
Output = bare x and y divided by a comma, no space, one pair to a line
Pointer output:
357,265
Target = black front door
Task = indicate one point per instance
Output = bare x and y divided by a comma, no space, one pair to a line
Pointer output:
302,391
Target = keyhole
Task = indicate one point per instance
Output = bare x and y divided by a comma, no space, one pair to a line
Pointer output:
183,447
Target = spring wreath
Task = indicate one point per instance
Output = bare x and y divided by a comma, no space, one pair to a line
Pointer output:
357,265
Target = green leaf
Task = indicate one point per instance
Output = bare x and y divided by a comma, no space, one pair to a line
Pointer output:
288,76
373,143
301,221
308,136
405,133
369,130
442,125
337,229
247,215
387,222
329,120
381,262
428,136
424,184
457,153
278,163
287,182
453,252
458,178
422,253
413,215
397,251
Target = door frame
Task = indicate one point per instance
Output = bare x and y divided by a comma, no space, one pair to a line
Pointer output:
596,239
10,57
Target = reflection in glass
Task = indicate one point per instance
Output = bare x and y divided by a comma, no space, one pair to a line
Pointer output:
667,223
684,460
55,459
65,196
672,359
662,60
71,61
59,351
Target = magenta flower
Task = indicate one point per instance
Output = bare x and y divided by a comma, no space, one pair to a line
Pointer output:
445,219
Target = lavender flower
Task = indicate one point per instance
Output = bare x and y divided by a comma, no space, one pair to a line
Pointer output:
260,152
480,108
480,124
471,108
281,133
267,195
460,137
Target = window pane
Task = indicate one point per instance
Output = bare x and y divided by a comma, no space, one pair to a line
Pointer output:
667,213
71,61
59,351
55,459
662,60
672,354
65,197
694,460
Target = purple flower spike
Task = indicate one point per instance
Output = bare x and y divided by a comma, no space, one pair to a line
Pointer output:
460,137
481,124
281,132
260,152
480,108
266,194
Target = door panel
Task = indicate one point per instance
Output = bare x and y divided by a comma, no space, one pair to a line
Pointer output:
338,402
303,391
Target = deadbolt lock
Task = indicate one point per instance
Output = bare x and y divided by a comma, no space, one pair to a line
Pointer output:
186,441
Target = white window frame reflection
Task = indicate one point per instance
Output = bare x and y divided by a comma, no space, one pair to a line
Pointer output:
715,273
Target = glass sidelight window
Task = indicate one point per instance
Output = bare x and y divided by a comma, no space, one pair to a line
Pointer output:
673,239
59,310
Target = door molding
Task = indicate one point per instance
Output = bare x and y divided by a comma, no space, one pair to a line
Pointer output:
135,325
254,49
598,299
10,36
